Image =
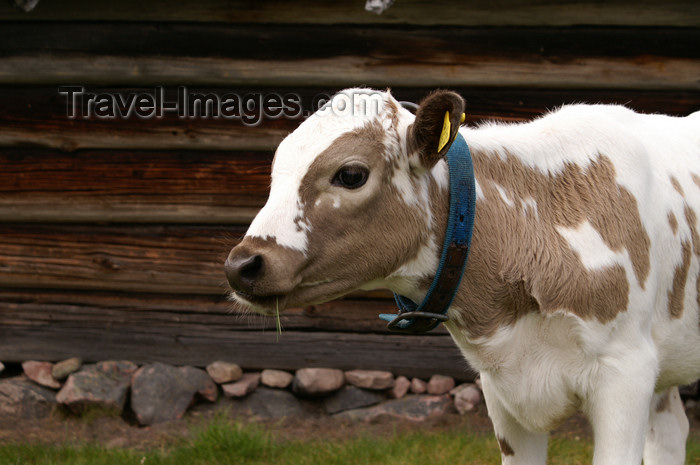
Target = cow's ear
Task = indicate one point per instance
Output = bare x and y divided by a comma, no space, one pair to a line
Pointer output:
437,120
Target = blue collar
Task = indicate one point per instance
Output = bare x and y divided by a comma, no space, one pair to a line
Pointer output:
413,318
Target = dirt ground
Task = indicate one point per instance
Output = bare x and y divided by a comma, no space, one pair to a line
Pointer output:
120,432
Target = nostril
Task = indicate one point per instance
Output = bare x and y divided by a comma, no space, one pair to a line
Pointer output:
250,269
244,271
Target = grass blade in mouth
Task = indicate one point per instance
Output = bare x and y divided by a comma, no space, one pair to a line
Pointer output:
279,323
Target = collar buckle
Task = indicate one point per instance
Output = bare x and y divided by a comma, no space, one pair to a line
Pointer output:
415,322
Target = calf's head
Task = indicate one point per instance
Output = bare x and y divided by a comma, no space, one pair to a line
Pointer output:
350,203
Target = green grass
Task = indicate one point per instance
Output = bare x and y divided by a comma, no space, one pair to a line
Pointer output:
228,443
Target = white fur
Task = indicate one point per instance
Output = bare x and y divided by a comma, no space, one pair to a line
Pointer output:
591,248
504,196
529,206
666,433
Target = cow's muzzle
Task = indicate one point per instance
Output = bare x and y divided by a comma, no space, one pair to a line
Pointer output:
262,274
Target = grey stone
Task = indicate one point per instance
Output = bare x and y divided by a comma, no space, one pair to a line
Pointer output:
40,373
22,399
440,384
161,392
248,383
351,397
201,382
412,408
224,372
62,369
103,385
400,389
466,397
272,404
418,386
317,382
276,379
370,379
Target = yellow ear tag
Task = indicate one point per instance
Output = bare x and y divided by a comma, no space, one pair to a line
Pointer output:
445,135
462,118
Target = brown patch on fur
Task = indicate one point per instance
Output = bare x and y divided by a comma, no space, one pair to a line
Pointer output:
677,186
691,219
520,264
372,231
506,448
676,296
696,179
673,222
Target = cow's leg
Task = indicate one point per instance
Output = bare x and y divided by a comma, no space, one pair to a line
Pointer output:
618,406
667,431
518,446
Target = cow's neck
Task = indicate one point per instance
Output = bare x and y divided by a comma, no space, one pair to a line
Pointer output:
485,300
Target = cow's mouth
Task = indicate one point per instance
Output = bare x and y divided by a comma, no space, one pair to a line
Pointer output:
304,294
263,304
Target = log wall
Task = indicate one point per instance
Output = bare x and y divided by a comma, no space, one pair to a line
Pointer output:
113,231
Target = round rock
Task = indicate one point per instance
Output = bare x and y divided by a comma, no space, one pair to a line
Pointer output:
317,382
370,379
244,386
62,369
467,396
40,373
276,379
418,386
224,372
400,389
440,384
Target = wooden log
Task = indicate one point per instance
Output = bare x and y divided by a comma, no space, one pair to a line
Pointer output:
174,313
440,12
36,117
118,186
307,42
420,356
662,74
168,259
344,71
343,56
176,259
39,117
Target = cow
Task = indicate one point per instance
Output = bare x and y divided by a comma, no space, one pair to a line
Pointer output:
582,283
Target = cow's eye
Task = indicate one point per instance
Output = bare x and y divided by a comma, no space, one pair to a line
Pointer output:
351,176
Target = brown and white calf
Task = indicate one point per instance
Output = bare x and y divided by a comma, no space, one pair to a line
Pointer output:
582,286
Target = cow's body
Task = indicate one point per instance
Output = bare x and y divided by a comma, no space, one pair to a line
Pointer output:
582,286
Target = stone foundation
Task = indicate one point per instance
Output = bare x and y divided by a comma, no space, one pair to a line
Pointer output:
157,392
